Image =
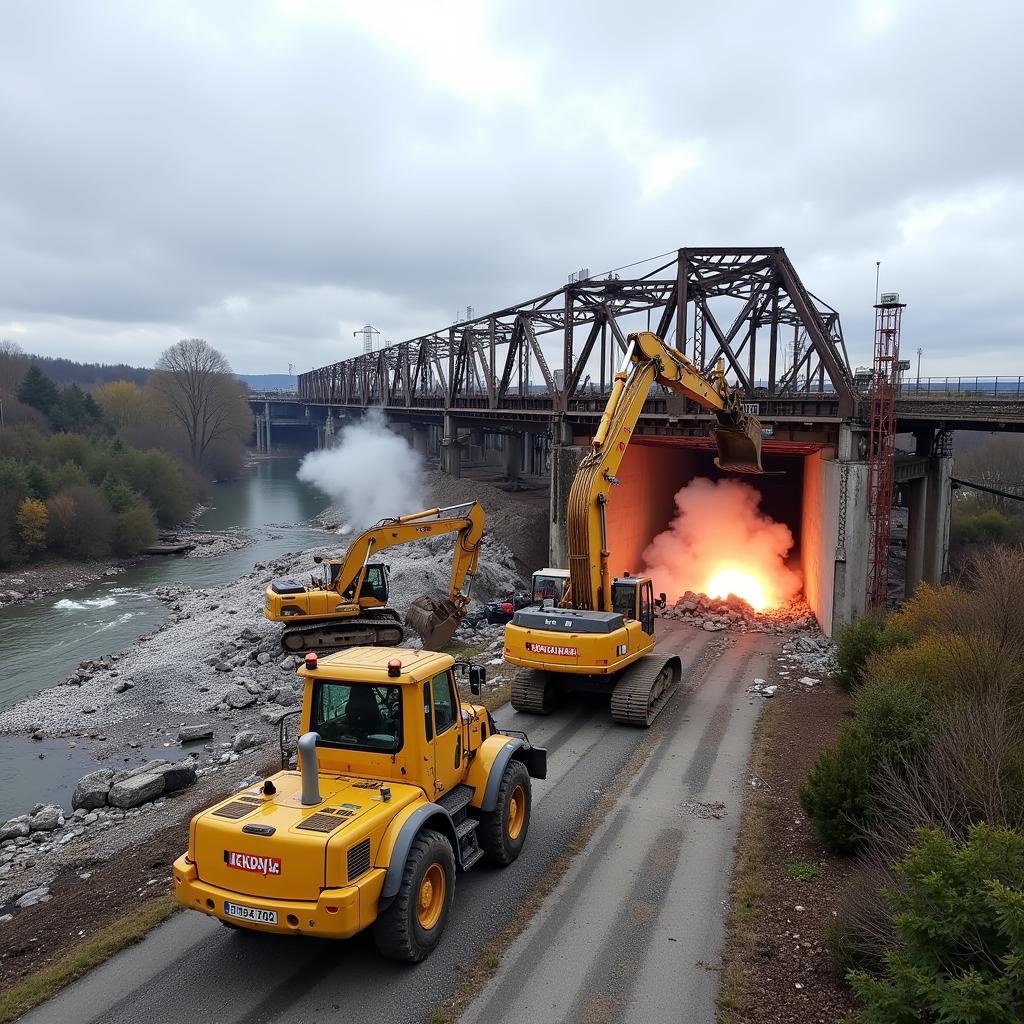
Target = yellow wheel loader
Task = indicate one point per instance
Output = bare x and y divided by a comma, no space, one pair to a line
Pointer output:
585,629
346,603
400,787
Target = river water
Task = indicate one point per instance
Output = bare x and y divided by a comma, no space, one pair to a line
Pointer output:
41,642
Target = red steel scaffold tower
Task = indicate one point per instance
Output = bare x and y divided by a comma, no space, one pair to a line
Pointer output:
882,450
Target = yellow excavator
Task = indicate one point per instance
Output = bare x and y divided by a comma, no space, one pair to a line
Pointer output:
346,603
585,629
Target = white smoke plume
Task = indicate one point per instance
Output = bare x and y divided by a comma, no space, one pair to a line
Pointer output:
719,543
370,473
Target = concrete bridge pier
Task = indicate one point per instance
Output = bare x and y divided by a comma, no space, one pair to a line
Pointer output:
929,511
938,513
451,454
565,461
513,456
421,440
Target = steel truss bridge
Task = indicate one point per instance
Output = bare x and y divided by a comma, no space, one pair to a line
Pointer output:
555,355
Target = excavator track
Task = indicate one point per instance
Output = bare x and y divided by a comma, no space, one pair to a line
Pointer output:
643,690
381,630
531,692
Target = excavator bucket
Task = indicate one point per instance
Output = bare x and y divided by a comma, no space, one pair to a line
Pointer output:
739,447
435,620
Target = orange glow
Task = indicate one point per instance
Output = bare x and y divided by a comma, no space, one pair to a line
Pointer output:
721,543
730,580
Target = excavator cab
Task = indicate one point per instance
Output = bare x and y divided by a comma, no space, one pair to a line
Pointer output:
633,598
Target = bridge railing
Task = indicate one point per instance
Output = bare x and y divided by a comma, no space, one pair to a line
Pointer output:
1002,388
273,395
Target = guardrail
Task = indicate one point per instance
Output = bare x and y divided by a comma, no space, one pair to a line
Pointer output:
1003,388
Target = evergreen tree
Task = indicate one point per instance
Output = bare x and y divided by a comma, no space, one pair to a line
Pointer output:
38,391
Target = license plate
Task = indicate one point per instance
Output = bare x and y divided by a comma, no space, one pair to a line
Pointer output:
250,913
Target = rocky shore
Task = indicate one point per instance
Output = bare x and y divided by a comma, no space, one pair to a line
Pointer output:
208,688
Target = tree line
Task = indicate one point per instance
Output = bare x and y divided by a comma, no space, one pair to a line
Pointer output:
89,473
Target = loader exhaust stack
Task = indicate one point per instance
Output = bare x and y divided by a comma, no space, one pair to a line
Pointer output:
435,621
310,768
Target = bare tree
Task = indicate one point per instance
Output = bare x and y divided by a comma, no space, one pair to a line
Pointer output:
13,364
998,462
195,382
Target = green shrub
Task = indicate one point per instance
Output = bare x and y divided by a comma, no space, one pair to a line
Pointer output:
803,872
837,796
959,918
895,718
859,641
893,724
134,529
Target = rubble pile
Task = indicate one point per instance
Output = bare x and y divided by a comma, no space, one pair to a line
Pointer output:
807,659
714,614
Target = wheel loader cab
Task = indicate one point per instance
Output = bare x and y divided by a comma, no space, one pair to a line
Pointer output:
550,585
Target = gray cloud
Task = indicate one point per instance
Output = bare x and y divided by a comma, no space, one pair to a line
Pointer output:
272,176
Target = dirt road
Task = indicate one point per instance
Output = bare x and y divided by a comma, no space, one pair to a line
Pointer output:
632,932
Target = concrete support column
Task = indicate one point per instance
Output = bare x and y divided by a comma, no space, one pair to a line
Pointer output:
565,461
836,530
451,455
266,427
421,440
329,429
939,494
513,456
916,507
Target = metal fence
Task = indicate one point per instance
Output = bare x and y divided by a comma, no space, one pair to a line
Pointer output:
1006,388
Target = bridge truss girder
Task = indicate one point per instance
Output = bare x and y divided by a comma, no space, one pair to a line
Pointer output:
498,362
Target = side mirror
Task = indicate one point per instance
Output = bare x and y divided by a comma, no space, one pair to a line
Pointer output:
318,559
477,677
662,600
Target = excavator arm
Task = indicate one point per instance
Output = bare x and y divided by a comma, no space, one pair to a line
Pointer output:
648,360
434,620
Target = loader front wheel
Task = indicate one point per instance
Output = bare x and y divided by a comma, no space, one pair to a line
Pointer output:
412,925
503,831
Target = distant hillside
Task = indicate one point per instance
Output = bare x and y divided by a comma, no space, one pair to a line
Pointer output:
87,375
268,381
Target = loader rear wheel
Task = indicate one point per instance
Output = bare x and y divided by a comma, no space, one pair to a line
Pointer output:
412,925
503,831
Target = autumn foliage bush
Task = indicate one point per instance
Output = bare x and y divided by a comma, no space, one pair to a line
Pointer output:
926,783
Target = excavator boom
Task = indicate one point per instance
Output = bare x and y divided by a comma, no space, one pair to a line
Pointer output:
599,632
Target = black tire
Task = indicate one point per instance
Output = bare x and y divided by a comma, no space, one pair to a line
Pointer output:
398,932
496,827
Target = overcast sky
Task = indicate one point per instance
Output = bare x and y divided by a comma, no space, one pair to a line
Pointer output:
270,176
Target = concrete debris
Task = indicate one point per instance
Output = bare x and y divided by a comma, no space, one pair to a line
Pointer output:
32,897
715,614
136,790
762,688
190,733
